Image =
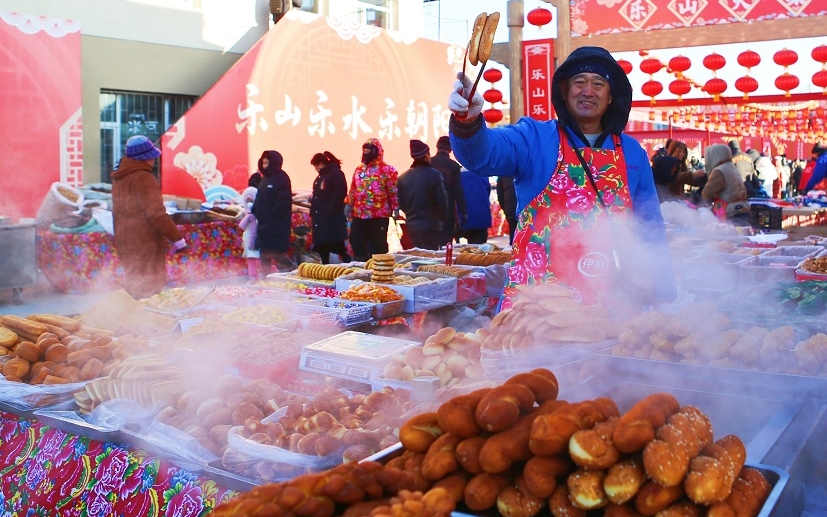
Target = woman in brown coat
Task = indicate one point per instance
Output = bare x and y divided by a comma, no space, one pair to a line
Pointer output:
725,189
142,226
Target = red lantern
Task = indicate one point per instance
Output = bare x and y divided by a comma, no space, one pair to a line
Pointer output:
539,17
715,87
749,59
492,75
785,57
626,66
786,83
714,62
493,95
680,64
650,89
650,66
492,115
820,54
680,87
746,85
820,80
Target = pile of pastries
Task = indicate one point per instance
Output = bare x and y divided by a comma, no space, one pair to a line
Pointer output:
517,449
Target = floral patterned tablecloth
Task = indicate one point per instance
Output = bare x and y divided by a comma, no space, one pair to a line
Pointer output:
47,472
78,262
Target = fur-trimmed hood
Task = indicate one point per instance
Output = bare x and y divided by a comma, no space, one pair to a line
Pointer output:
617,115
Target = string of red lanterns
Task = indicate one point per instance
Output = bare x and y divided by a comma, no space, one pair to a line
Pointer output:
786,81
819,54
492,115
539,17
747,84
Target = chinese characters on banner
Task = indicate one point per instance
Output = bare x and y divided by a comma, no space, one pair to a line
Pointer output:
337,86
538,60
637,15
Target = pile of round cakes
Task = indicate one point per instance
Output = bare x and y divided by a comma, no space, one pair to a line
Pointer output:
382,268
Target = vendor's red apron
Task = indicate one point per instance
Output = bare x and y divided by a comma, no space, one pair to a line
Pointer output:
564,235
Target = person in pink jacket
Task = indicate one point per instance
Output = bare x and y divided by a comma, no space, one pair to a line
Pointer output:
372,199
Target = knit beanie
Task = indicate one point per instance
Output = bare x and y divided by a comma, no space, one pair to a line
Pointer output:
419,149
139,147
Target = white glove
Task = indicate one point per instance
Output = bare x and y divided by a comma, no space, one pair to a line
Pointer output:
458,103
179,245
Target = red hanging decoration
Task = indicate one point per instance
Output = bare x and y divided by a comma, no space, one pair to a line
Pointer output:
749,59
785,58
786,83
650,66
539,17
820,54
715,86
714,62
820,80
680,87
651,88
626,66
492,75
746,85
493,95
492,115
680,64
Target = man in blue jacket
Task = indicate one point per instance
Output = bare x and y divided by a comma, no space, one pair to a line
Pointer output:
598,228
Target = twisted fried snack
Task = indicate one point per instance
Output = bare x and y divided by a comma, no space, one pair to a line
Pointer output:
652,498
620,510
550,433
682,508
468,453
502,406
586,489
542,473
593,448
505,448
418,433
747,497
712,473
666,458
561,506
637,426
434,503
456,416
624,479
441,460
482,490
517,501
310,495
541,382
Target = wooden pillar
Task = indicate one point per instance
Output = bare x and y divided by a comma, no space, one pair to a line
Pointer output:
515,58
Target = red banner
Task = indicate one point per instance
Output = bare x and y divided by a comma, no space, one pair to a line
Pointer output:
606,16
40,109
311,84
538,62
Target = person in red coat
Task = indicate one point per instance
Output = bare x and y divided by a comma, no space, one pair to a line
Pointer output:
143,229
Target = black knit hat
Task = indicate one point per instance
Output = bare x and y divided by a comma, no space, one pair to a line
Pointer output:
419,149
818,148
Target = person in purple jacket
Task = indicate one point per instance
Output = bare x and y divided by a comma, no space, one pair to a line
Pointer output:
588,211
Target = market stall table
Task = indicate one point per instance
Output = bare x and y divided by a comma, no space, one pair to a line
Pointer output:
45,471
803,216
77,262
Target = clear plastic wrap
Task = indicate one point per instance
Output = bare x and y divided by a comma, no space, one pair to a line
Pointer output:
34,396
170,443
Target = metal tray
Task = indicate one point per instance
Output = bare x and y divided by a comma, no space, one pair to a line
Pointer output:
215,470
14,409
73,423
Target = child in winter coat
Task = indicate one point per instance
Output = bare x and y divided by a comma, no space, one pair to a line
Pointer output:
250,226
